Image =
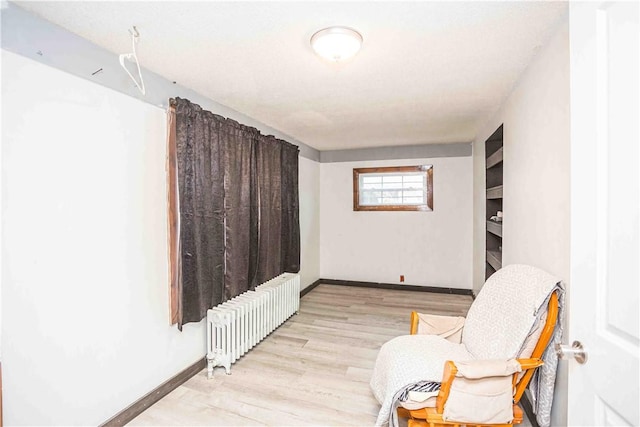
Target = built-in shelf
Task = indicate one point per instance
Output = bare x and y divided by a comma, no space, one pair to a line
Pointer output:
494,192
493,152
494,159
494,258
494,228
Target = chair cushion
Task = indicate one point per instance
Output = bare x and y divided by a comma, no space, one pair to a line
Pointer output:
480,402
505,311
448,327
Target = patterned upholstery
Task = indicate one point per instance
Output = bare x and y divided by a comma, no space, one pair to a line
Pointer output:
505,311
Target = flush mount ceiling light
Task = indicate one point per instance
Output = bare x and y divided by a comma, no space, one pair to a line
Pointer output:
336,43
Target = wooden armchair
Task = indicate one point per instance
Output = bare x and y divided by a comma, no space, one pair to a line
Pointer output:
433,417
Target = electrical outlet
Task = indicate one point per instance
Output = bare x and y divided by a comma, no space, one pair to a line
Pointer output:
401,278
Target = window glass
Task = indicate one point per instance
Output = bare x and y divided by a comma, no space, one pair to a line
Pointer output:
393,188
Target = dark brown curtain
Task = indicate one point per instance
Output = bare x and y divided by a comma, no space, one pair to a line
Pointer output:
290,226
201,205
270,207
238,209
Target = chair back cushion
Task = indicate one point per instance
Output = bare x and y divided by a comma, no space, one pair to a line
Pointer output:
509,305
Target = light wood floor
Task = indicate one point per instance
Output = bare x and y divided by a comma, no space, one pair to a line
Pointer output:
313,370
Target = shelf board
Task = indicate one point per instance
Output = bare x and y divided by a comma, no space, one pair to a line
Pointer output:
494,258
494,228
494,192
494,159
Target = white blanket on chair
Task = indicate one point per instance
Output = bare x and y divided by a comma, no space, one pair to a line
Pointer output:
542,384
401,362
520,290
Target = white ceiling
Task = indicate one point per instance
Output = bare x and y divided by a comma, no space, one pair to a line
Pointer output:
428,72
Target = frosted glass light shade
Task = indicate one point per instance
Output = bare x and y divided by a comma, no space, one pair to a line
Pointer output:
336,43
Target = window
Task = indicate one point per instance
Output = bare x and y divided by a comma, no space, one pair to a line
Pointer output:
404,188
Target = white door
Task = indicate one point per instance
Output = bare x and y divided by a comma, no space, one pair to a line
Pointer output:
605,199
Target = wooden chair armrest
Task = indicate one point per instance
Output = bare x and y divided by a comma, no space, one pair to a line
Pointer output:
450,371
413,328
530,363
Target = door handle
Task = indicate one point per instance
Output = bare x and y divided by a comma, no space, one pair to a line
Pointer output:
576,351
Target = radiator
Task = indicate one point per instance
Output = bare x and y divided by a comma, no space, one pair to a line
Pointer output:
235,326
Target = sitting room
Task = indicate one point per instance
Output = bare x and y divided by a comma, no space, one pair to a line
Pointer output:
320,213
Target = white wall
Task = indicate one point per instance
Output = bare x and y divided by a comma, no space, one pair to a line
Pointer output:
85,305
536,201
85,292
309,193
428,248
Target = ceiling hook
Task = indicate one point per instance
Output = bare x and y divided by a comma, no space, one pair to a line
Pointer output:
134,33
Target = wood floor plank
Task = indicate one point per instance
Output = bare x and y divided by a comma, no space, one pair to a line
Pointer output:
314,370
